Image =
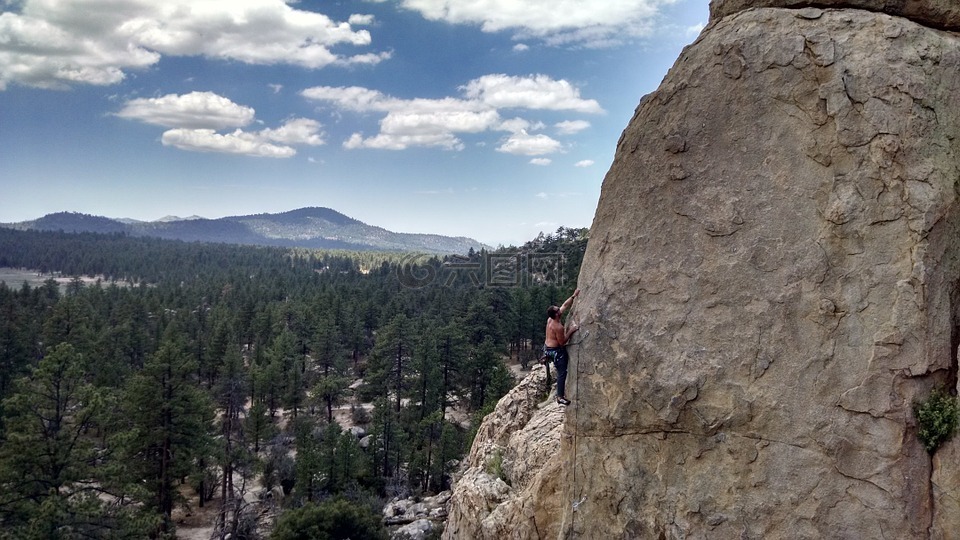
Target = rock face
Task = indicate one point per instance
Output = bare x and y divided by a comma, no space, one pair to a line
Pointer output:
510,487
943,14
771,282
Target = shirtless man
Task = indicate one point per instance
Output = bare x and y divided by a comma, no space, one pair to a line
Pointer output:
555,344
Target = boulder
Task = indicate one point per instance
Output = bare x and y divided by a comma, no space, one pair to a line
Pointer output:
510,484
771,283
418,530
944,14
405,511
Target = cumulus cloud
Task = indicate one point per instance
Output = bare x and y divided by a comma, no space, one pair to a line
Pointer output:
534,92
515,125
571,127
361,20
58,43
556,22
583,163
524,144
438,122
541,161
351,98
196,110
238,142
196,118
401,141
296,131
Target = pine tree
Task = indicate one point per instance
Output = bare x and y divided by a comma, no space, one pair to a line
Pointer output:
386,372
329,357
235,457
169,424
48,461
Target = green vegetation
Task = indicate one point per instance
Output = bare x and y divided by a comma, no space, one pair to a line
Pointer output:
337,519
937,418
188,373
494,466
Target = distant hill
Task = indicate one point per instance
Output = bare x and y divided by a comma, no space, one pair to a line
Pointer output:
319,228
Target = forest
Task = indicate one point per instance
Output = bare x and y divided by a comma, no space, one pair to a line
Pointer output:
192,375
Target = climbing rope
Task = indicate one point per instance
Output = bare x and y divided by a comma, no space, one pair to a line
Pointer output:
576,422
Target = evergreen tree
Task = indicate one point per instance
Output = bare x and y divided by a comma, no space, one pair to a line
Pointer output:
329,357
169,424
14,347
48,483
257,426
393,348
235,457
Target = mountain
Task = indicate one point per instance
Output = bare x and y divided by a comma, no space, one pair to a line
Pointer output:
318,228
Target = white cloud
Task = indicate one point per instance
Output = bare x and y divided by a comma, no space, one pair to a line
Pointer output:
541,161
438,122
276,88
525,144
584,163
196,110
296,131
368,59
361,20
56,43
238,142
402,142
516,125
541,195
352,98
571,127
533,92
556,22
521,47
196,117
414,122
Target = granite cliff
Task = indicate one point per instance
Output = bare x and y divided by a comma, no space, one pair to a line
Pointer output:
770,285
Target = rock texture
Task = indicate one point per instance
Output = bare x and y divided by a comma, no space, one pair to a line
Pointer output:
943,14
510,487
772,281
415,518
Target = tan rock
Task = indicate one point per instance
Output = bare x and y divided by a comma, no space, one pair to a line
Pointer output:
770,284
943,14
946,491
510,487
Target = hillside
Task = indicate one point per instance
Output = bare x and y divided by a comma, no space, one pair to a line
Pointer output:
313,227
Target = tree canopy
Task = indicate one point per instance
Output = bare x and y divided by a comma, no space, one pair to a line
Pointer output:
186,371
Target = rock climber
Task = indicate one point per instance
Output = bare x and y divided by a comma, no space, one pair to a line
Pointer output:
555,344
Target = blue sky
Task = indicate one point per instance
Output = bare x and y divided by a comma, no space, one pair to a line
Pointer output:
492,119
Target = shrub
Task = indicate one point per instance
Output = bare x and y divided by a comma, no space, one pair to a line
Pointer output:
336,519
494,466
936,418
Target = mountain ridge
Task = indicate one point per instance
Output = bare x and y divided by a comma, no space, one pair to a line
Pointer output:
307,227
